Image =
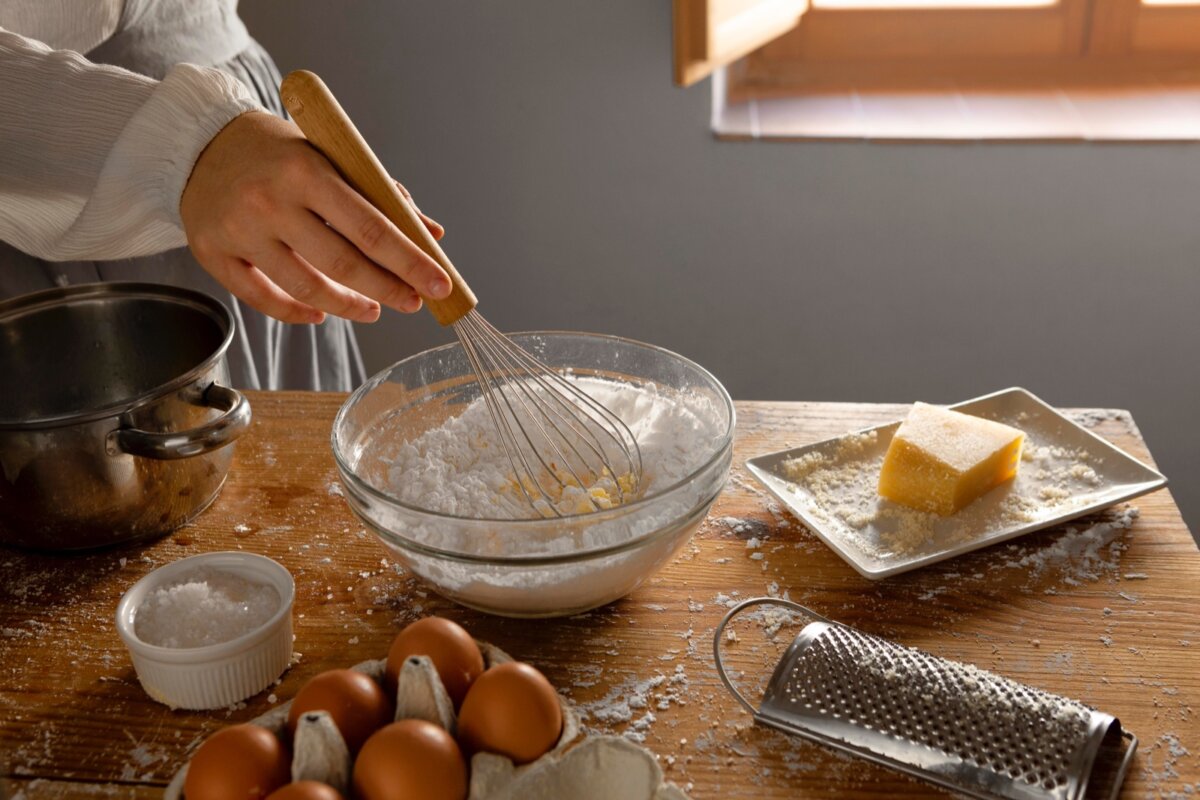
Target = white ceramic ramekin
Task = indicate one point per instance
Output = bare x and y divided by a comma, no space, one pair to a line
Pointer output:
216,675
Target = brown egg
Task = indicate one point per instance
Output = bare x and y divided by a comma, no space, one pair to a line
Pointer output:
306,790
359,706
241,762
454,653
408,760
511,710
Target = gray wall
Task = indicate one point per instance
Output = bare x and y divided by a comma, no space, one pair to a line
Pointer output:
582,190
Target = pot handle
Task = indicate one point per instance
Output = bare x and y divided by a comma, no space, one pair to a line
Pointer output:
184,444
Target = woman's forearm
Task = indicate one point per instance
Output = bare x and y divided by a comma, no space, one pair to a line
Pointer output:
93,158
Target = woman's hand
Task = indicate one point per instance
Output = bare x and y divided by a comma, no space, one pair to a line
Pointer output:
270,218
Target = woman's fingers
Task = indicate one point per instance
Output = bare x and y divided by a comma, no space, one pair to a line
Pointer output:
300,279
256,290
371,232
322,247
432,224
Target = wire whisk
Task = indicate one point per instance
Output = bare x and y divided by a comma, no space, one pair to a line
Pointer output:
557,437
555,434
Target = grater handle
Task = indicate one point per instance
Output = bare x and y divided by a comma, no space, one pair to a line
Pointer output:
1125,762
729,617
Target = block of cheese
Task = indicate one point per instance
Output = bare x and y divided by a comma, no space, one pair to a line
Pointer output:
942,460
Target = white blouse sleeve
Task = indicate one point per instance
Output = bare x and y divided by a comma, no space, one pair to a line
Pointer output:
78,25
93,158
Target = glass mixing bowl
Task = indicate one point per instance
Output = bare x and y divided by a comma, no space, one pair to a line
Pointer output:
531,567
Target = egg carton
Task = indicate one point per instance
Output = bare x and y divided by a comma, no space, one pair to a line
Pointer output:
581,766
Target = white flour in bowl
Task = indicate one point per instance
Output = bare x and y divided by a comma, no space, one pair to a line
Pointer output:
460,467
474,549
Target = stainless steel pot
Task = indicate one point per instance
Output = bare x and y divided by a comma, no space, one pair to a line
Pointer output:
116,416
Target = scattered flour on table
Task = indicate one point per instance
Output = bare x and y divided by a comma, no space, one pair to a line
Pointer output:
143,759
204,607
1083,553
632,704
461,468
1160,764
1092,417
736,524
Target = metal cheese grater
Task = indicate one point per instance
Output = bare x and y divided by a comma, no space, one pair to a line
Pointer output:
943,721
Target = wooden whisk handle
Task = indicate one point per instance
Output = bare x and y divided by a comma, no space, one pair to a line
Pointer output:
329,129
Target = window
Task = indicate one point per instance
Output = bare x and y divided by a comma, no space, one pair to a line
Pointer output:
969,69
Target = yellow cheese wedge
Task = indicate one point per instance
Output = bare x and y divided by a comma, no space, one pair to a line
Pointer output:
941,460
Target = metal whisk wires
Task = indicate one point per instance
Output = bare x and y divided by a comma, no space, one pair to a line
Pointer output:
554,434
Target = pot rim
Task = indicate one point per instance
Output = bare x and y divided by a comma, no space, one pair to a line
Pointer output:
65,295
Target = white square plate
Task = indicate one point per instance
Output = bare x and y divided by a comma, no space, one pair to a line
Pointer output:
1066,471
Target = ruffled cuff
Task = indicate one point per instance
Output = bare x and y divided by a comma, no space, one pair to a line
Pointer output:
189,108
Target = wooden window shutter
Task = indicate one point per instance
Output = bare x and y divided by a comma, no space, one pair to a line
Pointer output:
712,33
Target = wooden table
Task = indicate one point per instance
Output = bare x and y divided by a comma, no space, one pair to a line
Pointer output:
75,722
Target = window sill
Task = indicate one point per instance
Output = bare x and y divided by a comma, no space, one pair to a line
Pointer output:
1151,112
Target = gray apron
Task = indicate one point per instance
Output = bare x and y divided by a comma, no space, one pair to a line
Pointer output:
154,35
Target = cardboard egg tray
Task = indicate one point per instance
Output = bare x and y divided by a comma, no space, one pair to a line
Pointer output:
581,766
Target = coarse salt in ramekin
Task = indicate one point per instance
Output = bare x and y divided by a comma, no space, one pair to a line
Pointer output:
217,675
